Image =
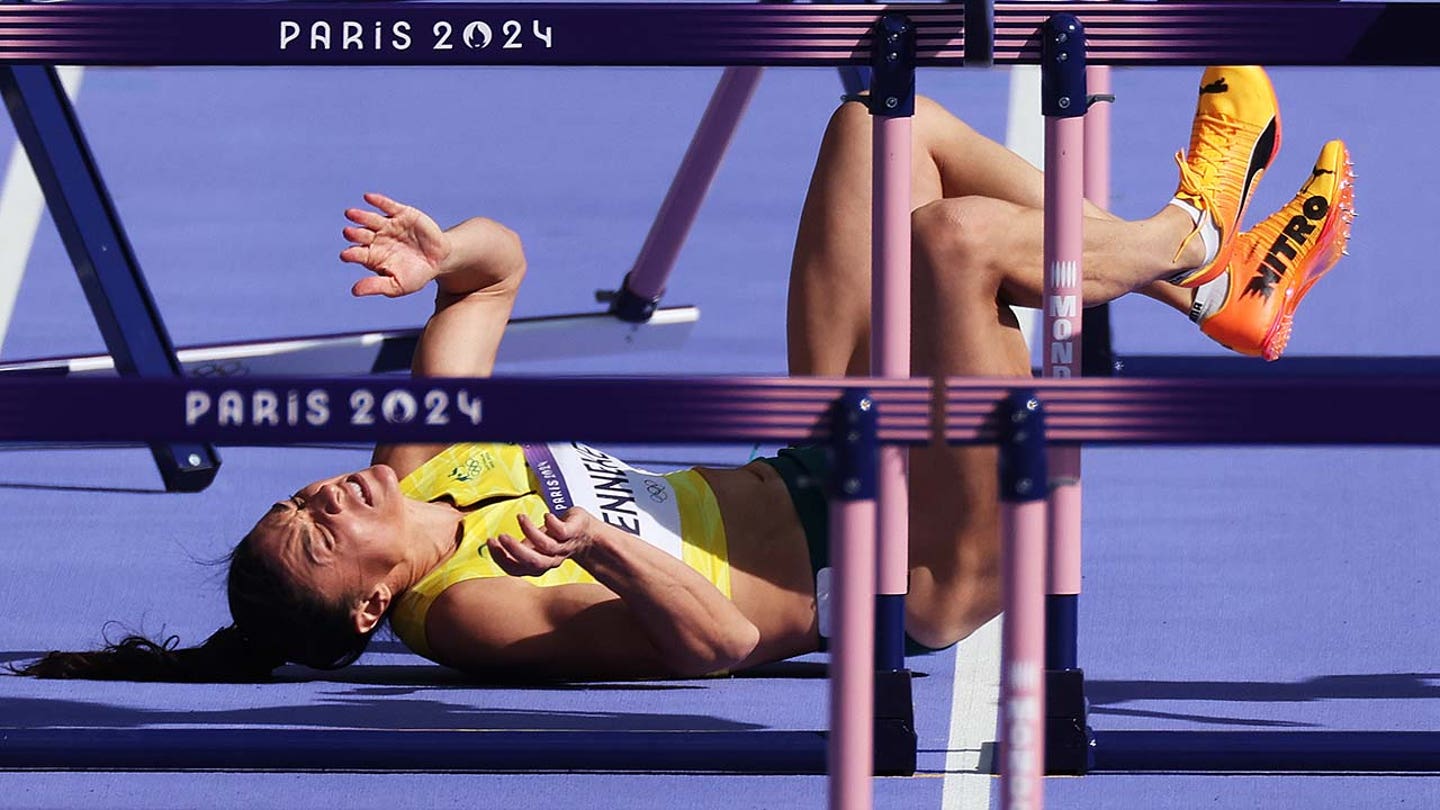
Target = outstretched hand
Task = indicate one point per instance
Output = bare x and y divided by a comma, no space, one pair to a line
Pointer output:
404,248
545,547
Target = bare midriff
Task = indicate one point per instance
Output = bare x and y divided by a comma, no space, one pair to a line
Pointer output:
770,577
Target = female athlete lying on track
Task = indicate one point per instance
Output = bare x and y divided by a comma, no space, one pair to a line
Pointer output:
708,570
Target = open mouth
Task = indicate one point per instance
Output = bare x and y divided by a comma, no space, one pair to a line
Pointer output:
361,490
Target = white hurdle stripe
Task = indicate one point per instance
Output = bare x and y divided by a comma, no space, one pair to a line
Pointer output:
21,203
1025,136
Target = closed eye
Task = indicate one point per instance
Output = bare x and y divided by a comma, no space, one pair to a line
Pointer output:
327,538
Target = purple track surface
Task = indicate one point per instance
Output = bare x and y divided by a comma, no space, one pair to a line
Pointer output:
1260,589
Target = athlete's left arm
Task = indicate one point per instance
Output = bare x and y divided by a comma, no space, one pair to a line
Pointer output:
691,624
477,267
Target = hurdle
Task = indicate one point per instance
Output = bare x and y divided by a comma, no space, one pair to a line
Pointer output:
1368,33
721,410
1147,412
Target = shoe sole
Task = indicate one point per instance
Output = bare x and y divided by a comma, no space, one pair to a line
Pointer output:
1222,256
1330,246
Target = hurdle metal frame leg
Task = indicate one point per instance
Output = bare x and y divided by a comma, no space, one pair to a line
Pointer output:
890,358
1064,102
109,273
1023,518
644,284
641,288
1072,747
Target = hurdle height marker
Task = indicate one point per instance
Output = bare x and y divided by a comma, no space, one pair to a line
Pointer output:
80,205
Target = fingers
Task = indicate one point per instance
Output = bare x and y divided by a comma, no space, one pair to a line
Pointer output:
550,544
500,553
573,523
518,559
368,219
387,286
384,203
558,528
359,236
356,254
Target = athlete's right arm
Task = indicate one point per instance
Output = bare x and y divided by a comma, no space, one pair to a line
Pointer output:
477,267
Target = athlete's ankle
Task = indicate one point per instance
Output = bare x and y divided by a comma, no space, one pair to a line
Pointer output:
1178,248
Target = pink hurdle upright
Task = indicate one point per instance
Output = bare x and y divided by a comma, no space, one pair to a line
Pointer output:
1032,570
863,644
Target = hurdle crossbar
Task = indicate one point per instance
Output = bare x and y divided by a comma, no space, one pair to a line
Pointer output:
1199,366
1293,32
708,410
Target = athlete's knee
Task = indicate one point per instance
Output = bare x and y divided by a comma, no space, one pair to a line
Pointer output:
852,116
952,615
931,630
954,243
932,115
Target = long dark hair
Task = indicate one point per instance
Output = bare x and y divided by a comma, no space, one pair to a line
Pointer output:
275,621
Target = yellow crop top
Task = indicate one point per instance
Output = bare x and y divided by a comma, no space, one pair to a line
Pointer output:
675,512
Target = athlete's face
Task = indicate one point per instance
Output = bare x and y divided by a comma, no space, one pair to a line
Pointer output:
339,536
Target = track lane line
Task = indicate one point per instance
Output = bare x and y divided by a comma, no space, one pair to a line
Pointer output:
974,710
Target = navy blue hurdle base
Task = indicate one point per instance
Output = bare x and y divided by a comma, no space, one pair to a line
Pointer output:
1255,751
456,750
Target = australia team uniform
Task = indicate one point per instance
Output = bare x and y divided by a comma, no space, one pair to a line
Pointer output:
675,512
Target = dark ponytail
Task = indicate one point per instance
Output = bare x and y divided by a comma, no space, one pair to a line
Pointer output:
276,621
226,657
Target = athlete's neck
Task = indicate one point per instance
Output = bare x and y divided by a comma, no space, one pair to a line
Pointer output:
435,529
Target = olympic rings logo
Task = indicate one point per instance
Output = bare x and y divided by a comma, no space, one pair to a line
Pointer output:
219,368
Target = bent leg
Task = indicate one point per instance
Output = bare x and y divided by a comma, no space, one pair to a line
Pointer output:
972,165
829,299
828,317
973,257
961,326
